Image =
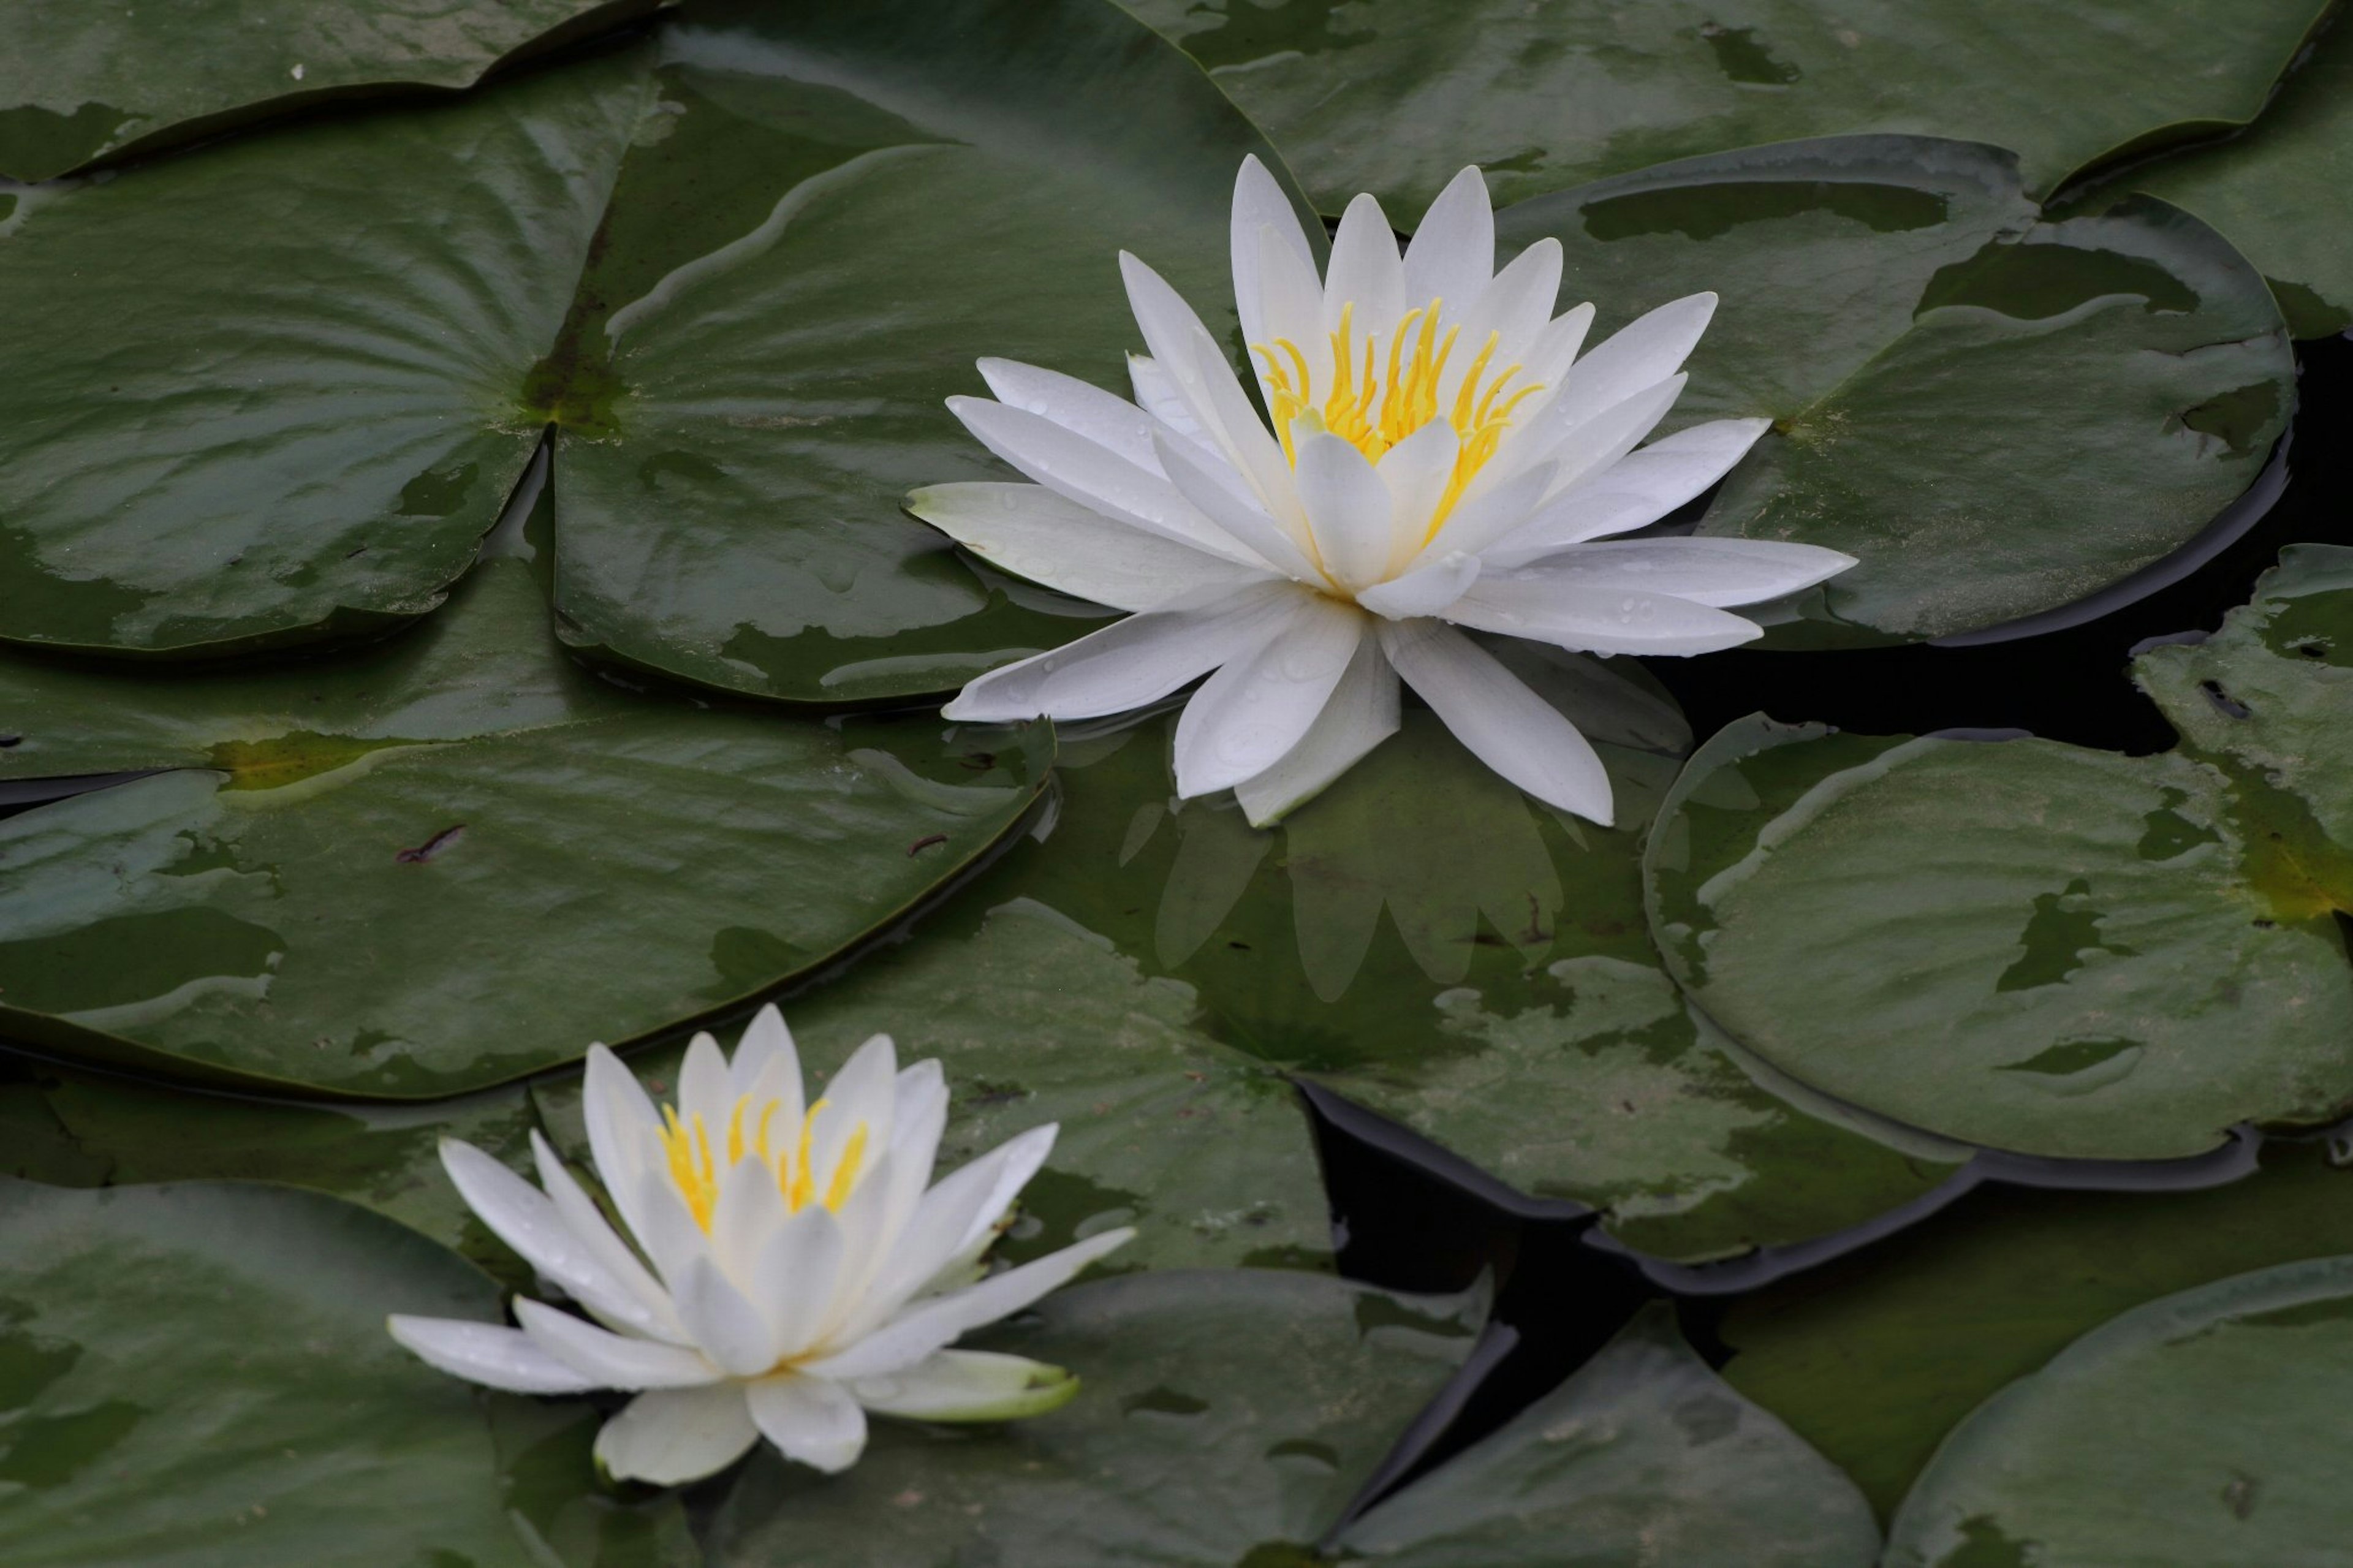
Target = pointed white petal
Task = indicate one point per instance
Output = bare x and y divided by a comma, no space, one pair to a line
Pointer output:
863,1095
1415,472
931,1324
922,1117
1551,604
671,1240
1636,490
1085,410
1548,358
1094,477
864,1245
1491,511
703,1088
1291,313
796,1278
1361,714
953,1224
528,1220
610,1360
1498,720
1129,664
1198,367
1452,255
1717,572
750,1209
1642,354
1426,590
1157,394
1515,309
1365,273
672,1435
811,1419
1032,533
486,1353
1262,214
1348,509
619,1118
727,1328
1588,451
1258,707
765,1037
645,1305
1211,487
967,1386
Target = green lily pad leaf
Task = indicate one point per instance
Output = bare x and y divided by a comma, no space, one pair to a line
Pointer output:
1394,96
837,209
1919,336
1642,1455
2259,187
1874,1358
2036,946
199,1373
83,1129
2181,1434
267,390
547,1468
451,859
1034,1019
1224,1416
80,82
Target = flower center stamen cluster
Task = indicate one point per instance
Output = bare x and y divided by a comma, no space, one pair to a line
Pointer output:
1374,412
696,1170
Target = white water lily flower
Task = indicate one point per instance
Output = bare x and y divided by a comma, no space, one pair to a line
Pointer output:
1440,457
805,1271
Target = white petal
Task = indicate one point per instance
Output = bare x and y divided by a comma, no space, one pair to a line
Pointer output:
1636,490
1290,311
1206,383
1211,488
1498,720
1128,664
1590,448
528,1220
703,1087
1157,394
1548,603
809,1419
1348,509
672,1435
796,1278
931,1323
765,1037
1717,572
1491,511
921,1118
952,1224
1081,407
727,1328
1642,354
671,1240
1365,279
1361,714
750,1208
612,1361
1415,472
619,1118
1548,358
1258,707
1032,533
1426,590
967,1386
1094,477
863,1094
1515,309
1261,213
865,1248
486,1353
1452,255
646,1308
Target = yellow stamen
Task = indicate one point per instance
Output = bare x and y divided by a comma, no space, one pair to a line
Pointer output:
845,1172
1374,411
696,1166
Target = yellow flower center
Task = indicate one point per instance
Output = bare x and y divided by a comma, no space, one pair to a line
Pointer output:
695,1167
1373,411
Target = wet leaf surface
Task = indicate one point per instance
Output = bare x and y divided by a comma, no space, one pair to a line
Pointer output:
1919,335
79,82
1223,1414
2036,946
451,859
2180,1433
1394,96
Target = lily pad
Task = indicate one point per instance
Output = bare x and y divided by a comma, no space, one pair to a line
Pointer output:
2041,947
199,1373
1224,1416
451,859
837,208
1920,336
1394,96
2181,1434
1035,1019
268,389
80,82
1642,1455
2262,186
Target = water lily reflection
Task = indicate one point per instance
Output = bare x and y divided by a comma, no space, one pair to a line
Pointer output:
803,1269
1440,455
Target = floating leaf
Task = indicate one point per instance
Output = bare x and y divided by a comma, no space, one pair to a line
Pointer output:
2188,1432
449,859
200,1373
1394,96
79,82
1642,1455
1223,1417
1920,338
2037,946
